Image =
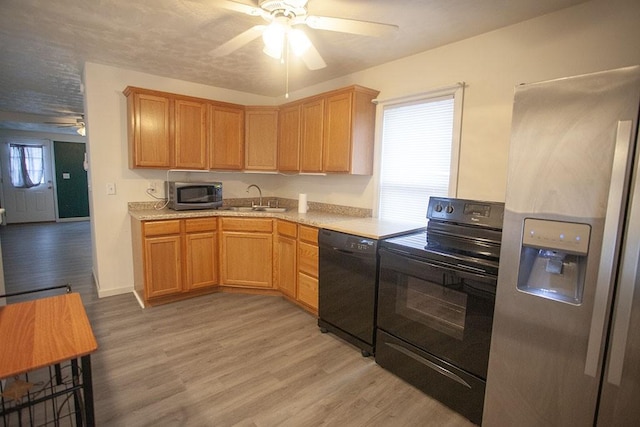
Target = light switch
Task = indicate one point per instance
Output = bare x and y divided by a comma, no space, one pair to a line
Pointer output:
111,188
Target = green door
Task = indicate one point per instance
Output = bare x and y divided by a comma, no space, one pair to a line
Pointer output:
71,180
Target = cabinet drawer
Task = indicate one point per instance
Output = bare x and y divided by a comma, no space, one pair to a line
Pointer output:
158,228
308,234
286,228
308,290
201,224
244,224
308,259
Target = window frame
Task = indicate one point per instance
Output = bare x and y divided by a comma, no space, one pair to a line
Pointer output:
457,92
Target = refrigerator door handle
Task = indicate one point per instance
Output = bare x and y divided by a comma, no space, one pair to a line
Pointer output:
626,286
611,232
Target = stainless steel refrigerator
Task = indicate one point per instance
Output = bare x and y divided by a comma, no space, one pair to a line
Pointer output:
565,346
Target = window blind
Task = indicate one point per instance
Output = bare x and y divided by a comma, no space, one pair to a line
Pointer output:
416,156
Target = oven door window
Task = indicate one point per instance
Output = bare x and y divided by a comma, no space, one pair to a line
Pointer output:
443,311
434,303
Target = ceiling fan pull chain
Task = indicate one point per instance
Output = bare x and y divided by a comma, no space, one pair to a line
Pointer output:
286,53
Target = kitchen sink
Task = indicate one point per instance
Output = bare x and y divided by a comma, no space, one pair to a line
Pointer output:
252,209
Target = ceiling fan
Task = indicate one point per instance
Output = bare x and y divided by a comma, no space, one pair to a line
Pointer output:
284,19
79,124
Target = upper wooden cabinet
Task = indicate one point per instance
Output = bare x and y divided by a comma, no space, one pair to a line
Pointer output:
337,132
328,133
261,138
289,138
190,118
311,127
226,130
349,127
227,137
149,129
166,131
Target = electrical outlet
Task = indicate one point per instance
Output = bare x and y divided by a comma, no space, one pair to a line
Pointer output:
153,187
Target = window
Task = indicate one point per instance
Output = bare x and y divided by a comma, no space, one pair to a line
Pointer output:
419,155
27,165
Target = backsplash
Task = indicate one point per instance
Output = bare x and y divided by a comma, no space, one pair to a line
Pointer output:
291,204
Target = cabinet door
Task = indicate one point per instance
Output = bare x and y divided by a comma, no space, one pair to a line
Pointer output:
289,139
284,259
312,118
226,138
308,258
247,259
308,290
149,131
163,274
201,260
261,136
337,133
190,134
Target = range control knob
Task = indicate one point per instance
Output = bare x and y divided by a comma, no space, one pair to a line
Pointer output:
449,209
438,208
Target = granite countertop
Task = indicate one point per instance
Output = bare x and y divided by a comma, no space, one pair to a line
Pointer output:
372,228
317,219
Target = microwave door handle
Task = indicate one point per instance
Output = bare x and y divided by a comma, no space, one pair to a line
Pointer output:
609,243
629,275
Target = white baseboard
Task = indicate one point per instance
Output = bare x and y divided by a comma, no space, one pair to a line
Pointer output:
103,293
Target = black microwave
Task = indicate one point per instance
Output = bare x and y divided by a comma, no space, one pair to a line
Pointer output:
194,195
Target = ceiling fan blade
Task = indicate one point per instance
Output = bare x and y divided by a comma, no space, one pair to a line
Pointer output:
351,26
238,41
312,59
238,7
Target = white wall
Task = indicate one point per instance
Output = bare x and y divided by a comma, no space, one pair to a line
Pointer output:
594,36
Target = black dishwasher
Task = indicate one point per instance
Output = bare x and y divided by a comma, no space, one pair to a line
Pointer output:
348,287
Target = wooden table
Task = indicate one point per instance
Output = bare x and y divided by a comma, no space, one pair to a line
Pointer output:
45,332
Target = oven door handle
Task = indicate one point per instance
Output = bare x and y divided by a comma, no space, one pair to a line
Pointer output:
405,256
439,369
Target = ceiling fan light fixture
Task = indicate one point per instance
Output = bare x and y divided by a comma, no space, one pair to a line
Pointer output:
299,42
82,130
273,38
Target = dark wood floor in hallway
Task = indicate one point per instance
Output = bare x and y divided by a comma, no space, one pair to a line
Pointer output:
216,360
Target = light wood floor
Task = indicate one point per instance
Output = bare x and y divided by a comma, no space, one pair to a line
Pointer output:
216,360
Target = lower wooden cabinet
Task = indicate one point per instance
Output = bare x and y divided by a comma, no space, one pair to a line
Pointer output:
247,252
285,255
163,269
178,258
295,265
308,267
201,253
174,257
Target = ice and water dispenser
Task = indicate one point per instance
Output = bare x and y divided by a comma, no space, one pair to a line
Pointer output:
553,259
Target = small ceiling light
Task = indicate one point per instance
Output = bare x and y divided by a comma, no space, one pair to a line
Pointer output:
299,41
82,131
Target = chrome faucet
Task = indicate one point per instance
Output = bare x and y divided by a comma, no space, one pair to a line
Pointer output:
259,191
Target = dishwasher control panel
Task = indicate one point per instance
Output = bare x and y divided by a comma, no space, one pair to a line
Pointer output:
347,242
358,244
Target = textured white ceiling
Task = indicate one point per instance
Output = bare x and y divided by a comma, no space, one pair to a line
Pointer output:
44,44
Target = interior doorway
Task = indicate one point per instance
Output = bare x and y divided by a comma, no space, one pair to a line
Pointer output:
71,180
